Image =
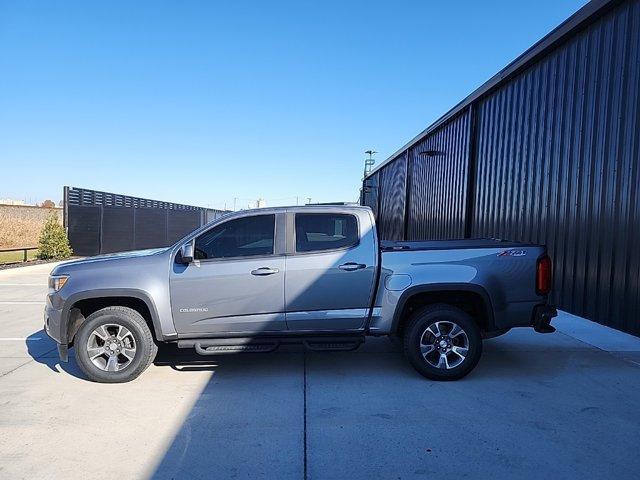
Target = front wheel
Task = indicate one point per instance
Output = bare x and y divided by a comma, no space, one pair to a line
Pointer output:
114,345
442,342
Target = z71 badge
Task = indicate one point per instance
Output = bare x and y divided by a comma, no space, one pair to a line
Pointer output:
512,253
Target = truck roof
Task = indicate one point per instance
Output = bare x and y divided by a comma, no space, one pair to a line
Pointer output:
289,208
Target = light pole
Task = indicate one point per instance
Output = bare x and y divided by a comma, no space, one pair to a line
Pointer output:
369,162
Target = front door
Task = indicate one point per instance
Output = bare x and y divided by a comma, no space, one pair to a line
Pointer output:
330,274
236,282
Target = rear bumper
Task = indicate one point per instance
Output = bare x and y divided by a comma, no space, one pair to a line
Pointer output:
541,318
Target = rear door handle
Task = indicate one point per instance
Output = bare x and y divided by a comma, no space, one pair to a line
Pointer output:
351,266
263,271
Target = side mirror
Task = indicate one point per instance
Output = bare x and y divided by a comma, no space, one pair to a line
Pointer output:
186,253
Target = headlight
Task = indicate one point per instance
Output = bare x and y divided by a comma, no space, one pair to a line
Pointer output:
56,282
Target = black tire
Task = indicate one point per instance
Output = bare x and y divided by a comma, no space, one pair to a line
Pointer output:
145,347
396,341
416,333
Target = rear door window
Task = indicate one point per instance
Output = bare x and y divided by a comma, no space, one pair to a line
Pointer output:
325,231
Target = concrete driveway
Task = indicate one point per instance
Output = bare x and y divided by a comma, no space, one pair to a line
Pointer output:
565,405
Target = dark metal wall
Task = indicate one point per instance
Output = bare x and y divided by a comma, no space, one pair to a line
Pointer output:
557,164
100,222
549,153
438,182
392,190
369,192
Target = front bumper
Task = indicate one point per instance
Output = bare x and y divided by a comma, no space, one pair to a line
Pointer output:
53,328
541,319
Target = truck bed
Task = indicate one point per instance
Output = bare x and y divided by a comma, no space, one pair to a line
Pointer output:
391,245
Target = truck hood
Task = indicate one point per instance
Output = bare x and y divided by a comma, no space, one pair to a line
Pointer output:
111,257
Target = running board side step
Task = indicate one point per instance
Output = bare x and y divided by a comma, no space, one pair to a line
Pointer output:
227,349
222,346
332,346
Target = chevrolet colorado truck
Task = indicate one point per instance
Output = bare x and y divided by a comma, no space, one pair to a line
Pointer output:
317,275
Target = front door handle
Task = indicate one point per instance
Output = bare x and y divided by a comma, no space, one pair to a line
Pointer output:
263,271
351,266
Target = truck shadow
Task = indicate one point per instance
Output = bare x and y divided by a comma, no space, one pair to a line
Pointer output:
502,358
256,404
498,362
42,349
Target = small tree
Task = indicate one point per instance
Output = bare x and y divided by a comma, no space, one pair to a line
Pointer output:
53,240
48,204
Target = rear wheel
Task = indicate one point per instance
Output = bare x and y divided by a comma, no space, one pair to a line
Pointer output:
114,345
442,342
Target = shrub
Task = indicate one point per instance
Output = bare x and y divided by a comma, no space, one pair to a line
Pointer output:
53,241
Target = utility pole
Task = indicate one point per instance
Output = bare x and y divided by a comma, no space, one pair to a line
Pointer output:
235,201
369,162
308,200
296,200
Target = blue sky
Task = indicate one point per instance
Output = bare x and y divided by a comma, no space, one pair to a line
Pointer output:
199,102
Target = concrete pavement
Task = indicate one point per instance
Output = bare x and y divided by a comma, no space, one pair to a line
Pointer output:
565,405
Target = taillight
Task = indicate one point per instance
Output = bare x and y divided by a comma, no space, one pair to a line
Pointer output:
543,275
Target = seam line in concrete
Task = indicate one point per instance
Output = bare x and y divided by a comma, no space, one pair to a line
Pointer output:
304,399
583,341
27,362
20,339
610,352
22,303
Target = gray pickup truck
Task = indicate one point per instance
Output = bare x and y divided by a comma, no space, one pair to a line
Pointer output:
316,275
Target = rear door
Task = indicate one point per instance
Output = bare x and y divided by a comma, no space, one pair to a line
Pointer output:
236,282
330,270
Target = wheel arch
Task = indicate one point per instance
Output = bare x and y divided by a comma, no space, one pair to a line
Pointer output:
79,305
469,296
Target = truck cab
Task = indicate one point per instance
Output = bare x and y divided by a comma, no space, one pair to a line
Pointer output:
311,269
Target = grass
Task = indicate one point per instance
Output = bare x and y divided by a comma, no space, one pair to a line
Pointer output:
15,257
21,226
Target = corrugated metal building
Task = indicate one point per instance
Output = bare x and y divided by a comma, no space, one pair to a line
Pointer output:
546,151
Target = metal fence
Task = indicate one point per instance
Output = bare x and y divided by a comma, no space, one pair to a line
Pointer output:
100,222
547,151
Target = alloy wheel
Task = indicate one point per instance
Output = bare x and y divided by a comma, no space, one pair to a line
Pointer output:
444,344
111,347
